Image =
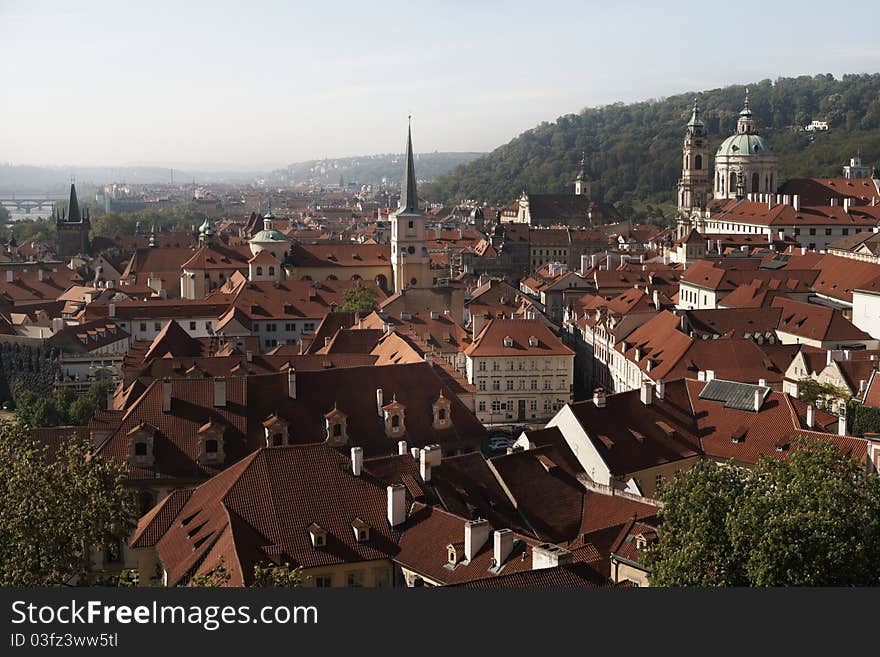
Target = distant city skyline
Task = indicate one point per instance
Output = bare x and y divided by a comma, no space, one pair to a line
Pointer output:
260,85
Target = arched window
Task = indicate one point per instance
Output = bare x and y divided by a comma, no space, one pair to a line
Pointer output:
271,271
756,183
732,187
698,162
259,271
395,421
337,429
441,414
277,440
332,277
687,161
211,446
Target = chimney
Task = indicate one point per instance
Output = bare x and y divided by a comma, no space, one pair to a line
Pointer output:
425,465
660,389
291,382
599,397
111,310
402,449
846,204
220,392
762,383
249,356
166,395
841,421
503,546
476,533
811,416
759,399
357,461
327,339
380,402
655,297
833,202
796,202
9,275
414,452
701,375
396,504
710,375
547,555
646,393
40,274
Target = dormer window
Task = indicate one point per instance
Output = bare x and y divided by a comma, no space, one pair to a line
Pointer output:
533,341
211,450
454,553
361,530
394,414
140,446
442,409
336,426
508,341
277,432
317,535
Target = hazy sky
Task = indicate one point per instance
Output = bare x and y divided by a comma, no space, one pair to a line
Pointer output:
261,84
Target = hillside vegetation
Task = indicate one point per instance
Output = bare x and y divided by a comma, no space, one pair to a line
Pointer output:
633,151
368,169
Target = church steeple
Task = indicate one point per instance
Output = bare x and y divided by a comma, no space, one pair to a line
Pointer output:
409,199
74,216
581,182
746,124
693,187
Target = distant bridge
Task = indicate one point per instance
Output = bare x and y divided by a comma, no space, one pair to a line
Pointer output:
27,202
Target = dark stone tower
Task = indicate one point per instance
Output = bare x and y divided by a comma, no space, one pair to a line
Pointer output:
73,229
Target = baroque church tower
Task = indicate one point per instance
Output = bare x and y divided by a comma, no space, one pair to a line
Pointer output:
694,187
409,250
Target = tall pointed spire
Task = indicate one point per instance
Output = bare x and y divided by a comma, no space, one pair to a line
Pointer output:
409,199
73,214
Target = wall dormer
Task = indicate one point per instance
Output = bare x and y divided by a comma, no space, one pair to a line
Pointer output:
442,409
336,426
395,421
141,446
212,451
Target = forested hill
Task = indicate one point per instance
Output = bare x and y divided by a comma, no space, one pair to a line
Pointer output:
633,151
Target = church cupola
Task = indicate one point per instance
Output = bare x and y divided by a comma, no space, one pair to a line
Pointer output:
746,124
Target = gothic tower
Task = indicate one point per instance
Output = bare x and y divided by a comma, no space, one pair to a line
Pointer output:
409,250
73,229
693,188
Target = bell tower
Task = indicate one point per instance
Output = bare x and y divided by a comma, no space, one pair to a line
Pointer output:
409,249
693,188
582,182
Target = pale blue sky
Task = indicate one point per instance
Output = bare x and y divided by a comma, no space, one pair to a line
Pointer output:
259,84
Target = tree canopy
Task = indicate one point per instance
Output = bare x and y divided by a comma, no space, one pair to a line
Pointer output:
358,298
44,409
812,519
53,512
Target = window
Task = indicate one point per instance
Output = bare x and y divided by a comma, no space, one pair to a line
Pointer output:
410,224
496,405
211,446
509,384
534,384
277,440
271,271
382,578
533,405
209,326
482,407
441,414
698,161
271,343
140,449
481,366
271,328
658,481
827,231
309,326
259,271
546,384
395,421
482,386
323,581
496,366
192,326
157,326
845,231
337,429
354,579
812,231
496,385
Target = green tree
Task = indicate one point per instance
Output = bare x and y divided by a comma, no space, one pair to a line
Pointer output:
44,409
358,298
52,514
695,549
277,576
812,519
813,392
217,576
4,214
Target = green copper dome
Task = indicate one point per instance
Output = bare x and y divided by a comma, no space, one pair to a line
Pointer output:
745,144
267,236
